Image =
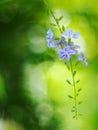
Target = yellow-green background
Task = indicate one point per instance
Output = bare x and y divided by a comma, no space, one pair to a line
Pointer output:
33,90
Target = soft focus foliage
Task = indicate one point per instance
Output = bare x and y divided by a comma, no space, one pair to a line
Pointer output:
33,91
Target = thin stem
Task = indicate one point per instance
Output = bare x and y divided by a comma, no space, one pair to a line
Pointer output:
55,20
50,10
75,93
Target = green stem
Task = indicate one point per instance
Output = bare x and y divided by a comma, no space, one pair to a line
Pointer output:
56,20
56,23
75,93
50,10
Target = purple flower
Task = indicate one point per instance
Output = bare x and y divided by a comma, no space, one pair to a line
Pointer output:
74,47
49,34
61,42
82,58
65,53
69,34
51,43
49,38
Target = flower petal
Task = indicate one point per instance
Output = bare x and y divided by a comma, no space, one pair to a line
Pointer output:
66,48
67,56
60,51
85,63
69,33
50,44
75,35
81,57
62,57
64,35
49,34
71,52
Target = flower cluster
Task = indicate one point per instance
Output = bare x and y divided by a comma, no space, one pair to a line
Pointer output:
70,53
68,48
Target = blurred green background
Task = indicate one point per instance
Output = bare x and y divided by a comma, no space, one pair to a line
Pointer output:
33,91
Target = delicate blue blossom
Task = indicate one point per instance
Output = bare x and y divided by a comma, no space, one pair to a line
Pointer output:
65,53
68,49
69,34
51,43
49,34
61,42
49,38
74,47
82,58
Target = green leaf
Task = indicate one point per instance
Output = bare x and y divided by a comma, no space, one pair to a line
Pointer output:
53,24
70,96
78,81
68,82
80,114
57,20
73,111
60,18
74,116
79,89
77,94
74,72
63,28
80,102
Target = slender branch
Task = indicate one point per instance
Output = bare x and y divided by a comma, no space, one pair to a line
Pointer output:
55,20
75,93
50,10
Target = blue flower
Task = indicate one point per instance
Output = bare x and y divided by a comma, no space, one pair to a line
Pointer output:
69,34
49,34
61,42
74,47
65,53
51,43
49,38
82,58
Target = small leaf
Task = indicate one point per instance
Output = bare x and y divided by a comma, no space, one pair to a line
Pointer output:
60,18
63,28
80,114
57,20
80,102
73,111
53,24
79,89
74,72
77,94
74,116
68,82
73,108
77,81
70,96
